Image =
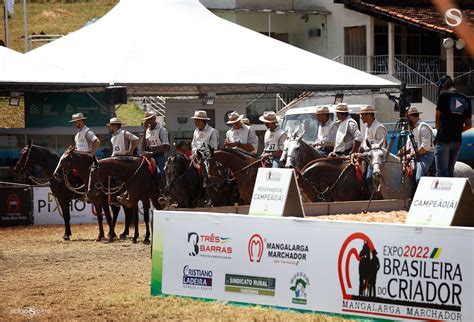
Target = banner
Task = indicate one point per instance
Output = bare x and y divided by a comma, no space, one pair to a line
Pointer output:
364,269
46,210
15,206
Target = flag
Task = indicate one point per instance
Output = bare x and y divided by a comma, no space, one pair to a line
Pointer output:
9,6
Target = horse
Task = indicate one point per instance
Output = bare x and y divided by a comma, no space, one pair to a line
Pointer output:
244,169
182,181
141,184
48,160
219,188
332,179
297,153
80,162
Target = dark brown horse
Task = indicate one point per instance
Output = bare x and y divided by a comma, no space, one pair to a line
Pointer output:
182,181
48,160
244,170
332,179
81,162
140,182
219,187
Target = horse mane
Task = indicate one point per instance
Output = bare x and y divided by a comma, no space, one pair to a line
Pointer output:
45,149
329,159
239,154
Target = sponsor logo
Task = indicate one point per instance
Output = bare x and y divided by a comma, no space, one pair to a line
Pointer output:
299,283
453,17
69,109
278,252
408,281
255,248
13,203
250,284
272,175
34,109
441,185
50,205
195,278
211,246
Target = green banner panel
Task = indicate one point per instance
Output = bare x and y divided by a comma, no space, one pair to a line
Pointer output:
55,109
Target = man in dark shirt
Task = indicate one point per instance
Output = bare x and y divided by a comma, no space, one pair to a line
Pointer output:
453,116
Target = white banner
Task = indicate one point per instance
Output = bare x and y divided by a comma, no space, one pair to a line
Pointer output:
377,270
46,210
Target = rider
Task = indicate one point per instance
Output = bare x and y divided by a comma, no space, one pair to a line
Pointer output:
123,142
155,141
326,131
348,136
240,136
85,139
424,139
375,133
204,134
274,138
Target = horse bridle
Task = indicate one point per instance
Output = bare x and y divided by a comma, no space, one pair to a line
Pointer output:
23,167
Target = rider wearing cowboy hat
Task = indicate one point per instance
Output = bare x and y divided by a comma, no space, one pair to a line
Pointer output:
375,131
348,136
274,138
123,142
204,134
84,139
326,131
240,136
155,141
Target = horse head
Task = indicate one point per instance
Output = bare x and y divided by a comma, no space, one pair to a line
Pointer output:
64,161
376,156
94,185
24,161
292,149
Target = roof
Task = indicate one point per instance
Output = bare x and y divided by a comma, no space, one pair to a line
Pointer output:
178,47
420,14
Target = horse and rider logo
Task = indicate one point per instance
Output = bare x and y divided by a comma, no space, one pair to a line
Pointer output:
299,283
193,241
255,248
358,248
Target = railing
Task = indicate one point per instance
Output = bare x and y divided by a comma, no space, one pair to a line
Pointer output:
34,39
151,103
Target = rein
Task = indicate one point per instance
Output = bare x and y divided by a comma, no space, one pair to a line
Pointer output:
77,190
247,166
26,161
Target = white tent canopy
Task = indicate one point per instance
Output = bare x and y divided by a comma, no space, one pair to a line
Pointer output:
178,46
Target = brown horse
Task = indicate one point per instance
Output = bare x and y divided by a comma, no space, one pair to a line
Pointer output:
140,182
81,162
48,160
244,169
332,179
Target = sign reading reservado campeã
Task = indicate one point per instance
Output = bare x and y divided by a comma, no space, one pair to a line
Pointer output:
363,269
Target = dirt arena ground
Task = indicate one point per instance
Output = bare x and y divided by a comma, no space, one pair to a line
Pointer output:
43,277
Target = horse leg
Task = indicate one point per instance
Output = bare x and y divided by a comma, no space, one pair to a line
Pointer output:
135,219
115,211
128,217
98,208
146,218
64,205
105,207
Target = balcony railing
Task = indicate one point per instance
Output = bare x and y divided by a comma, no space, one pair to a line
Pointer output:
414,70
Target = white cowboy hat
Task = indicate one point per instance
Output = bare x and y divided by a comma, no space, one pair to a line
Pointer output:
413,110
77,117
322,110
200,115
366,109
269,117
149,115
234,117
342,108
114,120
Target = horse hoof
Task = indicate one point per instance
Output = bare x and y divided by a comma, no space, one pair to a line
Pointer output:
66,237
123,236
146,241
135,240
100,238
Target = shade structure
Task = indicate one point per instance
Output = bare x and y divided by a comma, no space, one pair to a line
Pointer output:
179,47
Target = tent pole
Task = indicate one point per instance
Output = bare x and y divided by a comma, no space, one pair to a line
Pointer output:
269,24
26,25
5,14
